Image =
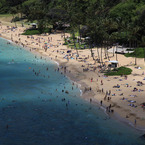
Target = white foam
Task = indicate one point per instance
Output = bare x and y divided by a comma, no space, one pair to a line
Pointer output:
81,92
10,62
56,62
79,86
10,41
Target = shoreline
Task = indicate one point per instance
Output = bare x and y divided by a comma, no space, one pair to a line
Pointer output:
73,78
82,95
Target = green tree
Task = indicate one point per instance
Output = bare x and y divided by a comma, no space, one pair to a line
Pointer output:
13,12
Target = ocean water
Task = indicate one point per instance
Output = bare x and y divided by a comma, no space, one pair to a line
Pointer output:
33,110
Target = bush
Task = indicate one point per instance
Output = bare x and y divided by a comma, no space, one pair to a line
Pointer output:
31,32
119,71
138,52
47,30
36,31
66,43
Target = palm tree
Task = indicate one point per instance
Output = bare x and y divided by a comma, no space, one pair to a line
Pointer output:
13,12
98,53
116,51
134,38
114,39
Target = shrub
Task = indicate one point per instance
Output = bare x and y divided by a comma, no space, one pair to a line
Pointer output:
138,52
66,43
119,71
31,32
36,31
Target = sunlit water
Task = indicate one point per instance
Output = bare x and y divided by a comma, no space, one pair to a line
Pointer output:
32,111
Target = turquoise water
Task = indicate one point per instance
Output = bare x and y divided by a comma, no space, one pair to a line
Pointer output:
32,111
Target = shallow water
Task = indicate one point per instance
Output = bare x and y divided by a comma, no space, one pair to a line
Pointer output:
32,111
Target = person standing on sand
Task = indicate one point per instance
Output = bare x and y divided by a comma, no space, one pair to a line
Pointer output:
91,79
101,82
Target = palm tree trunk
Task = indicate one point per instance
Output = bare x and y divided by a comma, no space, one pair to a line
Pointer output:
80,37
113,51
92,54
98,53
135,46
80,34
144,54
107,53
14,21
129,45
75,42
116,51
101,54
64,35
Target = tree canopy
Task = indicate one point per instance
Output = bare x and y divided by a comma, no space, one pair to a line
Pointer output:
105,21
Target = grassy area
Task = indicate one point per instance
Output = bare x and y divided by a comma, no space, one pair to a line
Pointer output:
138,52
7,18
119,71
36,31
5,15
70,44
77,45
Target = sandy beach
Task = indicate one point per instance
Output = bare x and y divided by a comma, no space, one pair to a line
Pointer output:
96,87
